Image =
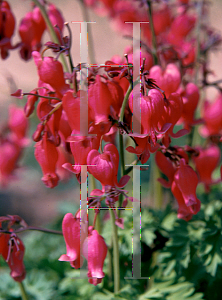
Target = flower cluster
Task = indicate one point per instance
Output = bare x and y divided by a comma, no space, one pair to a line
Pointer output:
12,248
31,29
166,91
12,141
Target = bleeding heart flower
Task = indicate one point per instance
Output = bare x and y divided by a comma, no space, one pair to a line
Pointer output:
184,186
51,71
46,155
74,234
18,124
168,80
12,249
7,27
95,250
212,117
9,155
106,166
167,168
152,107
206,162
190,98
31,29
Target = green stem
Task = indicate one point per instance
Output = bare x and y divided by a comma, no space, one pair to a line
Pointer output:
51,31
154,43
156,193
32,228
115,254
125,100
46,97
23,291
110,266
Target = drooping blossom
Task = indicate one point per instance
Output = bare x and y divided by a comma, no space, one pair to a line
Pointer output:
95,250
12,250
173,108
168,80
190,96
143,148
80,148
167,168
53,121
180,28
50,71
212,117
31,29
205,163
74,235
47,155
152,107
7,27
184,190
18,125
9,154
100,101
106,166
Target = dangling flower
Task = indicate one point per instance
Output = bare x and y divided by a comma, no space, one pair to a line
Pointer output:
12,250
167,168
46,154
31,30
95,250
100,100
7,27
18,125
152,108
9,155
106,168
212,118
184,188
190,98
168,80
51,71
206,162
74,235
80,148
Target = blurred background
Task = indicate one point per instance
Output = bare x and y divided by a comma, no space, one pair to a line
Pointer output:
27,196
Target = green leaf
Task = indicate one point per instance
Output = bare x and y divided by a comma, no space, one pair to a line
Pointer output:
148,236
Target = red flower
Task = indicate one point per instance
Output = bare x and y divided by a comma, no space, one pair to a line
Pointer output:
212,117
168,80
152,108
80,150
12,250
95,250
31,30
71,233
7,26
18,124
206,162
167,168
51,71
100,100
180,28
106,168
47,155
55,16
184,189
9,155
190,98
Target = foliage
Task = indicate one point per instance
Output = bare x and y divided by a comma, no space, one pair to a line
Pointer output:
183,259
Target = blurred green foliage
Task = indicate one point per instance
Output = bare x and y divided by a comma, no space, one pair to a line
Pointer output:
183,259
